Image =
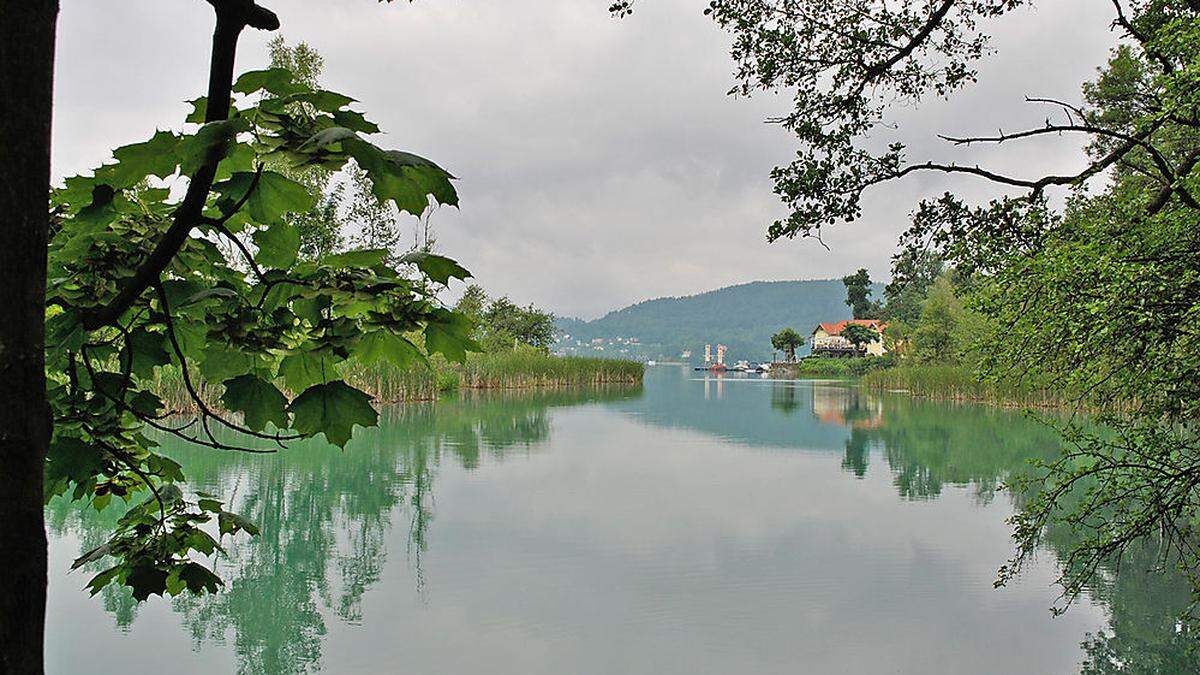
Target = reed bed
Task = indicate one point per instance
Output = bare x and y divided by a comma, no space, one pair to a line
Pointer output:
959,383
168,384
518,369
390,384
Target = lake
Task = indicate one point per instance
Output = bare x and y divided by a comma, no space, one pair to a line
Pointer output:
694,525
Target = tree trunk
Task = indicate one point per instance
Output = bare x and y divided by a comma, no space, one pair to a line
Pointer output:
26,91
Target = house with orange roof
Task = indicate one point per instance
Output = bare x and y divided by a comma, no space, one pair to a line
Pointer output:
827,340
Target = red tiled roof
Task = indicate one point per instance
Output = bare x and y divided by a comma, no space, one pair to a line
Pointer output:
837,327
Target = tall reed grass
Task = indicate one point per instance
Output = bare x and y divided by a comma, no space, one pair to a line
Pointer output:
517,369
520,369
959,383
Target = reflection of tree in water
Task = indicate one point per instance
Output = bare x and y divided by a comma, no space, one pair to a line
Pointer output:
929,445
325,516
1145,634
783,397
858,453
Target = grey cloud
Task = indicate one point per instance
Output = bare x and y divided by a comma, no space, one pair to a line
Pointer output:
601,162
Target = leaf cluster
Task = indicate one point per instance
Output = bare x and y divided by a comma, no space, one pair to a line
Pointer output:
266,328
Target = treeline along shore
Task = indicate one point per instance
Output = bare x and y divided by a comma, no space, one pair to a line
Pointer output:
933,345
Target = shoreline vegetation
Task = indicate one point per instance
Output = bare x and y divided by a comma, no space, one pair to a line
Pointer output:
521,368
947,382
934,343
933,381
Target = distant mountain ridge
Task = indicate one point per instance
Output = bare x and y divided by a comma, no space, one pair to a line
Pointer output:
742,317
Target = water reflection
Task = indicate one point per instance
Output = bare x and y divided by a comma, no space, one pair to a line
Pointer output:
333,521
325,516
927,446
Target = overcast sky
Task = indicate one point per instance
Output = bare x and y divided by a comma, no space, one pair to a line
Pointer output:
600,161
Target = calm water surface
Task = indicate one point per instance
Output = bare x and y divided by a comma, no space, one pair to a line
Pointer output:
691,526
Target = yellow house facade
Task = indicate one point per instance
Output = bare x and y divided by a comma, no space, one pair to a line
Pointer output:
827,338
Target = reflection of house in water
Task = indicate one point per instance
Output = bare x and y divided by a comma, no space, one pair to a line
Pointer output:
846,406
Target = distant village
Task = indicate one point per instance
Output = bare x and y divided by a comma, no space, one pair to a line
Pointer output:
844,338
617,347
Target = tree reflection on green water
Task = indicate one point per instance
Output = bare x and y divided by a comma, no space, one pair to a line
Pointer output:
324,516
330,520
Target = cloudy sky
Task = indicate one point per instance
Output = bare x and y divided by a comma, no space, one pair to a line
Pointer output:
600,161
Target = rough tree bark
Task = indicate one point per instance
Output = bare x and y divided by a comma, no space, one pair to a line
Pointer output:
27,34
26,91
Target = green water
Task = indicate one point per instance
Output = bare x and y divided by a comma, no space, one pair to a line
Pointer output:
690,526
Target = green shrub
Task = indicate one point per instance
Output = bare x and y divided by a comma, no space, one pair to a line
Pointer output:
819,366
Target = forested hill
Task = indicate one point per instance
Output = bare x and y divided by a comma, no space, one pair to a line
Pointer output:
742,317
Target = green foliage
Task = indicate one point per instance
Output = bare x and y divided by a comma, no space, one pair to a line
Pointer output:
500,324
1098,303
913,271
787,341
248,316
942,333
816,366
319,227
526,366
259,402
956,382
376,223
174,528
448,333
332,409
473,303
303,62
859,335
858,295
438,268
845,66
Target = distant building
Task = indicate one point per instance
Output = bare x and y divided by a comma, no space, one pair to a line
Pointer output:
827,339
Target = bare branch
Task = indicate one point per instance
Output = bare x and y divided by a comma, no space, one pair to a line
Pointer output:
1036,185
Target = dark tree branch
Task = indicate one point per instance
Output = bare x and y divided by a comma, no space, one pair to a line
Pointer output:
1164,167
917,40
219,226
1002,137
1163,197
206,413
1123,21
155,422
1069,108
232,17
1036,185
